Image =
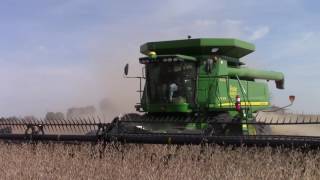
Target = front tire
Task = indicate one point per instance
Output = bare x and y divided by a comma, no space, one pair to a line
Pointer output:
263,129
231,126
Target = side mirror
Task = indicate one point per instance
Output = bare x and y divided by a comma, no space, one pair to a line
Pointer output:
126,69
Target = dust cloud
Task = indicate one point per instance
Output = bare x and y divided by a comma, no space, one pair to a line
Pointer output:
94,80
118,94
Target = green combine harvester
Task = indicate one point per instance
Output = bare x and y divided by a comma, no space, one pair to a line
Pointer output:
192,91
201,80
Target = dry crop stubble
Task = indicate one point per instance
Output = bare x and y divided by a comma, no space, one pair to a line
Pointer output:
57,161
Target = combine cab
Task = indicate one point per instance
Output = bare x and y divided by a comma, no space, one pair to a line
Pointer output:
195,91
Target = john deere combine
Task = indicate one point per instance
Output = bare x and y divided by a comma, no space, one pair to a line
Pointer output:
195,91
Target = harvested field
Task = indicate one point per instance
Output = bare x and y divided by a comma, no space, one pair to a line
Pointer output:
54,161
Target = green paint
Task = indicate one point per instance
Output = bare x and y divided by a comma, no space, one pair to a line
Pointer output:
187,76
183,107
228,47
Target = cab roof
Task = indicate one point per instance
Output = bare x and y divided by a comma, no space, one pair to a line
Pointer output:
203,46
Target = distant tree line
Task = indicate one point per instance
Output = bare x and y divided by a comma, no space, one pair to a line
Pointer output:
72,113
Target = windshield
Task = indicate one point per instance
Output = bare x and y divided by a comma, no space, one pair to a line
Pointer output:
171,82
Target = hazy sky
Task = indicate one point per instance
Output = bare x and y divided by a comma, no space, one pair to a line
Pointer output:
56,54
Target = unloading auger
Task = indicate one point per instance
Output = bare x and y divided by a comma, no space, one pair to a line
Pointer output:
192,91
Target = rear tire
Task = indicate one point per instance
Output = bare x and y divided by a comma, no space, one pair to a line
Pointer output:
131,117
130,127
232,127
263,129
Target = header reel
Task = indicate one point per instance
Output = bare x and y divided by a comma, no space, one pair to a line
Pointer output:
131,130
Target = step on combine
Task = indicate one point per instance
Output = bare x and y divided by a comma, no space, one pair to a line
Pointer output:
192,91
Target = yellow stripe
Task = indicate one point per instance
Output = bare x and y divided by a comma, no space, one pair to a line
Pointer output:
247,104
242,104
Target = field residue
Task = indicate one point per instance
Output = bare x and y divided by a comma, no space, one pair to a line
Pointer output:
23,161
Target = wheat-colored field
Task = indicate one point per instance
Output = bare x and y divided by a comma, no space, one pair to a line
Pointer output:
57,161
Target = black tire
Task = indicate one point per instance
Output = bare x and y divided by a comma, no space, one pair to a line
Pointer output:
131,117
263,129
129,127
230,128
